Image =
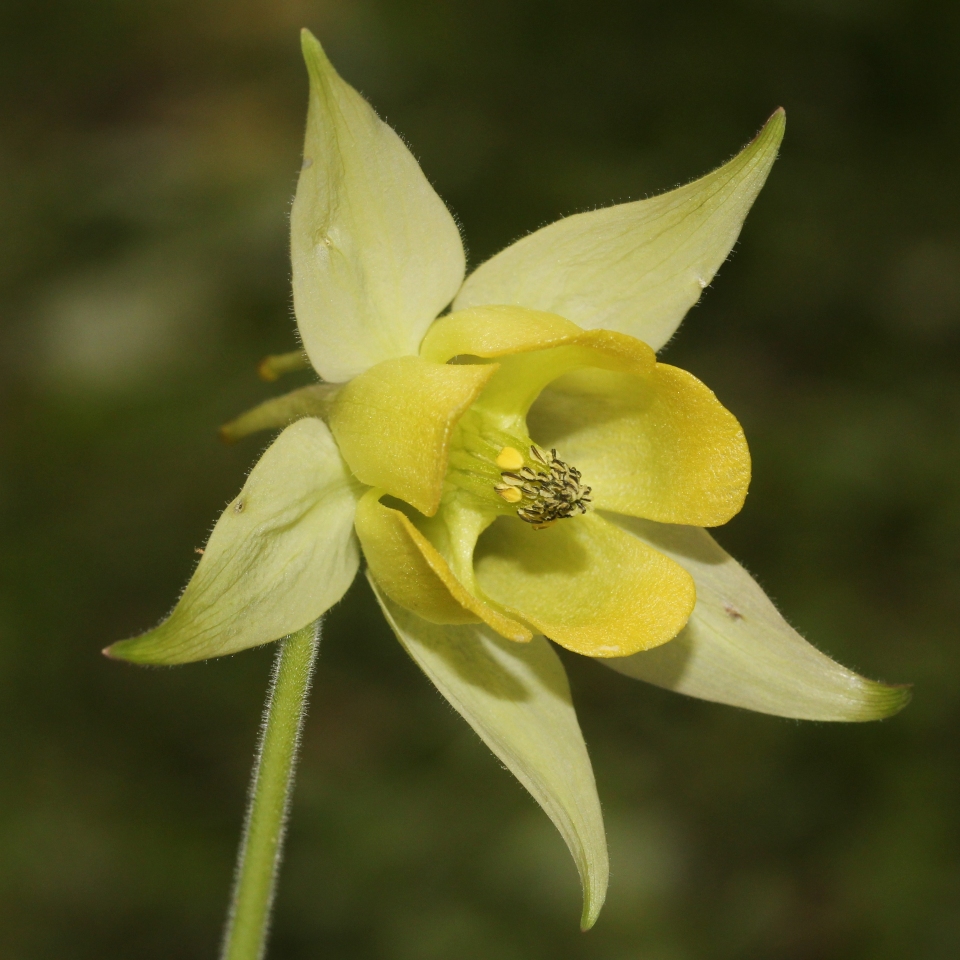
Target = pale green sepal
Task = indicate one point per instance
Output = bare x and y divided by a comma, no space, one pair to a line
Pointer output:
636,267
376,254
517,699
737,649
312,401
281,554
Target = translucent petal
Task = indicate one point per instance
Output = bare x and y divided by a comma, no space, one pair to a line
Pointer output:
517,699
394,424
376,255
660,446
413,574
584,583
737,649
281,554
636,267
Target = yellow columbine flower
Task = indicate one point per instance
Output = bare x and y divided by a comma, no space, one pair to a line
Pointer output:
521,467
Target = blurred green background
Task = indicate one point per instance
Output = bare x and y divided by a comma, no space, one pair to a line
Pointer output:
147,161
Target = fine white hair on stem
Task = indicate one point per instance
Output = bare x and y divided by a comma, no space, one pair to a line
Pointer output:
268,802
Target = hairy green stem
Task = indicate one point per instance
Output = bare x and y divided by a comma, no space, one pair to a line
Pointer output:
262,846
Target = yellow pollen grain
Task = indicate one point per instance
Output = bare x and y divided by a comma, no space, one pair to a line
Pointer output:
509,458
511,494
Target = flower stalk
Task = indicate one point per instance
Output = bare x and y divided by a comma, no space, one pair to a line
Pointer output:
261,848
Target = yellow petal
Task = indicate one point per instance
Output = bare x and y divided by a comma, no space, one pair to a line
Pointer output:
394,424
521,377
585,584
500,332
493,331
637,267
412,573
738,649
376,255
518,701
534,348
282,553
661,446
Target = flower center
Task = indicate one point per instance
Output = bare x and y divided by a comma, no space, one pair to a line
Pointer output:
514,475
553,492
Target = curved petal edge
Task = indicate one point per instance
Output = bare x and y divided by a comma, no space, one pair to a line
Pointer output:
585,584
409,570
661,447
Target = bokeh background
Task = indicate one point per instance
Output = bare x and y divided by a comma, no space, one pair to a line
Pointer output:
147,161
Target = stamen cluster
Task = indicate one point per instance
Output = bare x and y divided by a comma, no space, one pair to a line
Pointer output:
548,495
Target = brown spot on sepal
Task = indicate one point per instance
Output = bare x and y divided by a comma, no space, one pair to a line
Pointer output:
732,612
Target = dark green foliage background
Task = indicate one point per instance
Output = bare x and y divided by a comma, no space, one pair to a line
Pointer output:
147,160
